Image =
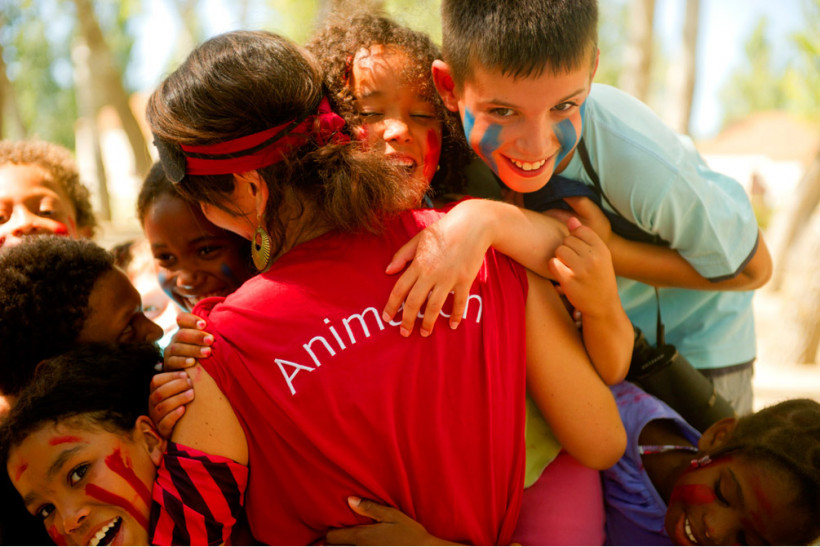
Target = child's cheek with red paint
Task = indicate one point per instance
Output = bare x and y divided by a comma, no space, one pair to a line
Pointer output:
432,154
56,536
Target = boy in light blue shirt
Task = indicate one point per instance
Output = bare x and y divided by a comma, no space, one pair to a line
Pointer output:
520,74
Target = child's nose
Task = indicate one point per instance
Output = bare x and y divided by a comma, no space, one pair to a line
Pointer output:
74,517
396,130
536,139
24,223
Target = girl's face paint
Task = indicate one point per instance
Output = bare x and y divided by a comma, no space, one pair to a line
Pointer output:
54,441
733,500
194,258
395,112
56,536
78,487
31,204
525,129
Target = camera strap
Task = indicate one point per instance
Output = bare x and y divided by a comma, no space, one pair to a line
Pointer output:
583,153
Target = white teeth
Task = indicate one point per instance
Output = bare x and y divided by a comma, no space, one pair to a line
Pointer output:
687,528
101,534
528,166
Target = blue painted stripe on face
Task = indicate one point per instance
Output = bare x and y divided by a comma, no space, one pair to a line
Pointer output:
468,122
228,272
489,144
165,285
567,137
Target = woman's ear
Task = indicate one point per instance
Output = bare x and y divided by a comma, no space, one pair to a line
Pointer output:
153,442
716,434
252,188
445,85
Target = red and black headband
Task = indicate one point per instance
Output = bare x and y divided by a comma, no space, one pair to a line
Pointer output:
251,151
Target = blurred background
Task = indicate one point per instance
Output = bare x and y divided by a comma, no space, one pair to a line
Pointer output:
741,77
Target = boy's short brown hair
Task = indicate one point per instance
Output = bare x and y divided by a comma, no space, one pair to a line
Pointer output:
519,38
59,164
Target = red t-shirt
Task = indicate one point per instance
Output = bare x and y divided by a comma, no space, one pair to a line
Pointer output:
335,402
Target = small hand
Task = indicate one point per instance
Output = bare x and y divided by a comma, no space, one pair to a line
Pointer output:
170,392
446,257
392,527
590,215
190,343
583,267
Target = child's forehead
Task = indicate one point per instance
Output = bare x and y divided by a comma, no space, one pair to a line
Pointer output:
29,177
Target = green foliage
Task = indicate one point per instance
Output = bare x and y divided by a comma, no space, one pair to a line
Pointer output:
39,67
612,27
422,15
763,84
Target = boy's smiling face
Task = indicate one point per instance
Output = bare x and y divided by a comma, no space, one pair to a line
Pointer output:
524,128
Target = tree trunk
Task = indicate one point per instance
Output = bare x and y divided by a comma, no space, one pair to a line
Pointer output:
110,78
636,75
688,66
87,133
11,122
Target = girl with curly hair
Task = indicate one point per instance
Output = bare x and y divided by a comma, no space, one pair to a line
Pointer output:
377,73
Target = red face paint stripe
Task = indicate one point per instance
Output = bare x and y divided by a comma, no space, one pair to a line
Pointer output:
117,464
433,154
55,536
54,441
20,471
693,494
107,497
61,230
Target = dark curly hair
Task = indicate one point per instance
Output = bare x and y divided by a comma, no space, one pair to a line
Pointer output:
349,29
786,436
60,166
104,384
44,291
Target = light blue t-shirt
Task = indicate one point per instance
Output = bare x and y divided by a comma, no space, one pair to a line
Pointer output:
658,181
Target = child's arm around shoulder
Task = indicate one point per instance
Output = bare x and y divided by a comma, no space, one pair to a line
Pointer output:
446,256
664,267
575,402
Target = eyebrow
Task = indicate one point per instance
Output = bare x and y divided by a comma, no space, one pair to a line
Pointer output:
559,101
370,94
53,470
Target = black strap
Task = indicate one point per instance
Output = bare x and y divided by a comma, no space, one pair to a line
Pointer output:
660,339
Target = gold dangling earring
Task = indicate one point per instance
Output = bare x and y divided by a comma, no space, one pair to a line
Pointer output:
260,249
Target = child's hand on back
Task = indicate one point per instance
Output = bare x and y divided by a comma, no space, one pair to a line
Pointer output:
170,392
391,527
583,268
190,343
446,257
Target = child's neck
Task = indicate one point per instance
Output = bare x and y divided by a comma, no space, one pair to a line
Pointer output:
665,468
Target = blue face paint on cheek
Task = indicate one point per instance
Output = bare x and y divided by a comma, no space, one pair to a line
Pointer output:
489,141
469,122
228,273
567,137
489,144
166,285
